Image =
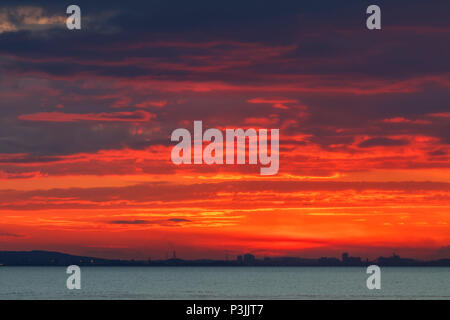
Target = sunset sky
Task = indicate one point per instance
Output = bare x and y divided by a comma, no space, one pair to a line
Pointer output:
86,118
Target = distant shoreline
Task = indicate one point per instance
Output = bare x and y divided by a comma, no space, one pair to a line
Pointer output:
48,258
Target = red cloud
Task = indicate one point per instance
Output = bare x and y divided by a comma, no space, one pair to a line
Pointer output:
440,115
136,116
146,104
277,103
404,120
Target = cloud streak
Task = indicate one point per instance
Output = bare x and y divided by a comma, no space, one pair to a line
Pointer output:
136,116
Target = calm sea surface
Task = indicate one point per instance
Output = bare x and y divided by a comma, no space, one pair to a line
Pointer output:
224,283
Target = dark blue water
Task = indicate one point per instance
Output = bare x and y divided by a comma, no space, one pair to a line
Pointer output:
224,283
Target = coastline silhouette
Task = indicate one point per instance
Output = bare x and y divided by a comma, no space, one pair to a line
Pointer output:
49,258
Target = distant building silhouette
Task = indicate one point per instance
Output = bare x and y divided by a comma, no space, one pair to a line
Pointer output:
249,259
350,261
48,258
326,261
395,260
